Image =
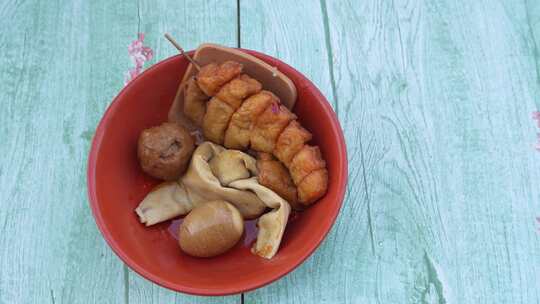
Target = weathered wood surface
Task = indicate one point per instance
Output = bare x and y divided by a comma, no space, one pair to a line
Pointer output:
435,98
61,65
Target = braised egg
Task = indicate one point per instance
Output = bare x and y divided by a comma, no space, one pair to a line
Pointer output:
211,229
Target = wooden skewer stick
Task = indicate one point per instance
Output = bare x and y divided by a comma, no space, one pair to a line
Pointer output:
178,47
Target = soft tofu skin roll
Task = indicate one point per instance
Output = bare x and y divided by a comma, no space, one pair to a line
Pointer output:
269,126
239,130
194,102
313,187
291,141
212,76
304,162
238,89
216,119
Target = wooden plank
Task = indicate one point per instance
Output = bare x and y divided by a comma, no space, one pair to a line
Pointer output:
191,23
54,88
435,99
61,66
293,33
530,26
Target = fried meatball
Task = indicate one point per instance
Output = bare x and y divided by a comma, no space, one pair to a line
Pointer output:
164,151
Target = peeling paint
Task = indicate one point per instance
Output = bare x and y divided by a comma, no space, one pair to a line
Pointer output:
437,290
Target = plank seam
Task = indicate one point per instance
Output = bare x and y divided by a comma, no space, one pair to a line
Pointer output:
238,43
126,285
138,17
329,54
534,46
238,24
368,199
52,296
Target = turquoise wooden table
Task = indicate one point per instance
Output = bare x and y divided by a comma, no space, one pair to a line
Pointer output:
436,99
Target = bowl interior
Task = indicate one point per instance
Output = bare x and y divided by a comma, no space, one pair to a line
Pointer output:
116,185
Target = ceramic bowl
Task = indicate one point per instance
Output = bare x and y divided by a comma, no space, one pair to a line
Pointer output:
116,185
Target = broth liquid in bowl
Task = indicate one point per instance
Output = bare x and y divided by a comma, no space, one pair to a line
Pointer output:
250,229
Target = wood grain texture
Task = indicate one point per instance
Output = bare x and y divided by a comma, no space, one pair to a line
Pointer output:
62,64
530,22
191,23
51,249
435,99
293,33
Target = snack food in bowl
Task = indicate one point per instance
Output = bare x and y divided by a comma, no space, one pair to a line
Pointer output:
263,154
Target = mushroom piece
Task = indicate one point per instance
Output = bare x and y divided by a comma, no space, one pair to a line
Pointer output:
165,201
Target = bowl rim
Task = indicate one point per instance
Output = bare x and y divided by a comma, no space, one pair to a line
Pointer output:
93,201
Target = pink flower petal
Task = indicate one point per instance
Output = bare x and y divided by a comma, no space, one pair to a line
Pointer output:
135,47
134,72
127,78
147,52
138,60
536,116
139,54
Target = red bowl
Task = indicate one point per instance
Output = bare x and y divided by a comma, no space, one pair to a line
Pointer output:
116,185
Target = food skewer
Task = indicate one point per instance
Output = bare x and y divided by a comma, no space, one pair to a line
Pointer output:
233,110
217,93
231,105
179,48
